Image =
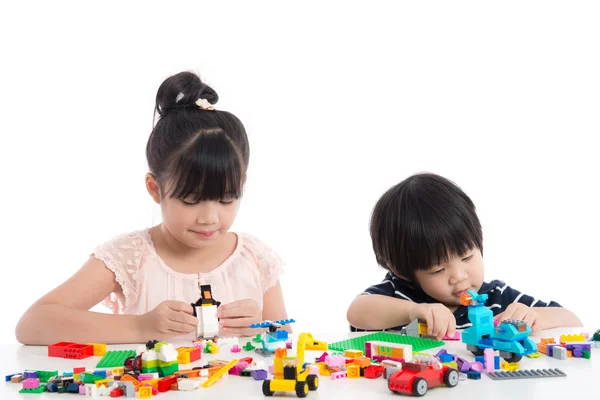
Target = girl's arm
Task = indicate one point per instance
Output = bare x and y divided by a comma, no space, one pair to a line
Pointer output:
556,317
62,314
274,306
376,312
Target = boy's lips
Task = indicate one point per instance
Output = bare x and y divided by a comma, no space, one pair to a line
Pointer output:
458,293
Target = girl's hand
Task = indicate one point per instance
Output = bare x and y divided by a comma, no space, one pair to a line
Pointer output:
440,320
235,318
169,319
521,312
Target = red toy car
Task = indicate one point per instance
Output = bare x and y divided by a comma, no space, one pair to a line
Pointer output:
416,377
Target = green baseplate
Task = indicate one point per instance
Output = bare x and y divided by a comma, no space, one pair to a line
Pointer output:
418,344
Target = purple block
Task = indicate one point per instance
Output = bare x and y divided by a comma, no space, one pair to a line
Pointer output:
441,353
259,374
30,374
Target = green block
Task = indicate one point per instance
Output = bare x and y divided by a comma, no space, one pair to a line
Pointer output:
248,346
418,344
586,354
597,335
146,370
257,339
44,376
168,369
90,378
37,390
150,364
115,358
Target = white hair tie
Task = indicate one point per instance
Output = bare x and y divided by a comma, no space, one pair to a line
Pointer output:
204,104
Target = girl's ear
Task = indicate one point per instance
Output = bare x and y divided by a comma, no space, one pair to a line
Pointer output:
152,187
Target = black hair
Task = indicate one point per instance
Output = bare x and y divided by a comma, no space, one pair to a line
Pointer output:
196,154
421,222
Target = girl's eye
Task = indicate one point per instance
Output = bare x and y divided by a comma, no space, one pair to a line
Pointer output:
189,203
467,258
226,201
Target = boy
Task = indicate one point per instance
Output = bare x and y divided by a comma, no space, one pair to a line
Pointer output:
426,233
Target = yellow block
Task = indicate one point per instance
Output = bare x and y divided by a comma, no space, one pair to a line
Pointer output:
533,355
353,371
118,371
353,353
220,373
145,392
504,365
451,364
150,382
99,349
422,328
101,382
572,338
513,366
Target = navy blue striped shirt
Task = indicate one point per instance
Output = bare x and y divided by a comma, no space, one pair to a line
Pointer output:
500,295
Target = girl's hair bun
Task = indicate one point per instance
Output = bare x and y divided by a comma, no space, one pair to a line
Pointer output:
181,91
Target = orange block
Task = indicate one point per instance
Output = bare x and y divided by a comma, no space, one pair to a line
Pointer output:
569,353
542,348
362,362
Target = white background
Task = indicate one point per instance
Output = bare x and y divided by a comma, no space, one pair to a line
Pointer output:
341,101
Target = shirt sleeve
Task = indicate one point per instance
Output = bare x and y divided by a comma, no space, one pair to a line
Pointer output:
503,295
122,256
269,263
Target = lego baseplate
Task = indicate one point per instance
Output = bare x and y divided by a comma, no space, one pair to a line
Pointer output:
527,374
418,344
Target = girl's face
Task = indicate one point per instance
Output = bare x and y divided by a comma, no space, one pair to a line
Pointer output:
447,281
195,225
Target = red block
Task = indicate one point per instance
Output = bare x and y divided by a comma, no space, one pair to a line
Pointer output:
374,371
164,385
58,349
79,351
117,393
78,370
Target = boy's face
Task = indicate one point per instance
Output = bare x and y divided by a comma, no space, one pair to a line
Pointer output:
446,282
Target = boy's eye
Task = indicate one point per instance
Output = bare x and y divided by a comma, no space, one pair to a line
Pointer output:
438,271
467,258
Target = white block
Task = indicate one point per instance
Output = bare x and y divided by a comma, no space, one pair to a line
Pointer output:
188,384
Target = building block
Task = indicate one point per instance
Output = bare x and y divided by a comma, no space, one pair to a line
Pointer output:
373,371
572,338
489,362
187,355
37,390
455,337
418,344
527,374
31,383
30,374
473,375
338,375
99,349
444,358
477,366
259,374
115,358
17,378
351,353
188,384
560,353
205,309
220,373
335,361
362,362
353,371
145,392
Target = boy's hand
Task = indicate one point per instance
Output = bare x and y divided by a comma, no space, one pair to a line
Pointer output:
522,312
440,320
168,319
235,318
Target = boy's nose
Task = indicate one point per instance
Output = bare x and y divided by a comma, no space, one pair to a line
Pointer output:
459,275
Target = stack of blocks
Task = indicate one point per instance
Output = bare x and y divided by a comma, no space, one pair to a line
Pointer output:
162,359
569,346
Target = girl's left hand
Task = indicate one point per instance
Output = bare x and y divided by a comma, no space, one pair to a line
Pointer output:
235,318
522,312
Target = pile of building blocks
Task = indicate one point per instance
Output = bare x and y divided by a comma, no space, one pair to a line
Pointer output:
572,345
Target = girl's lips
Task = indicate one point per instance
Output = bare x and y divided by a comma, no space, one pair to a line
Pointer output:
204,234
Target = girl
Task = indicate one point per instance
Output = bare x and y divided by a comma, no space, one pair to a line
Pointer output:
198,158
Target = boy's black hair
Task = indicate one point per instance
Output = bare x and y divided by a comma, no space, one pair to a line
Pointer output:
421,222
196,154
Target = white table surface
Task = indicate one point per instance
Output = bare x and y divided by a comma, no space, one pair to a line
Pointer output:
581,382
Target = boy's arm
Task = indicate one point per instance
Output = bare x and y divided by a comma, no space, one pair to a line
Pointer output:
62,314
551,314
556,317
376,312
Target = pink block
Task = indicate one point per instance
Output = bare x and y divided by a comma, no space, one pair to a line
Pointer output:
477,366
272,369
145,377
335,361
314,370
31,383
82,389
455,337
235,348
237,369
488,355
368,349
338,375
322,357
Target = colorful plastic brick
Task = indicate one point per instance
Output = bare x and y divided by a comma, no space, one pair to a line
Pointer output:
248,347
473,375
235,348
351,353
220,373
145,392
259,374
37,390
187,355
99,349
527,374
417,344
17,378
353,371
338,375
31,383
115,358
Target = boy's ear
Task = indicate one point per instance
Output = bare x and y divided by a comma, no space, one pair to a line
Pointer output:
152,187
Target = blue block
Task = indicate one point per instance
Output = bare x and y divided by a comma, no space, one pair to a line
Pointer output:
497,362
73,388
8,377
473,375
68,374
100,372
446,358
480,359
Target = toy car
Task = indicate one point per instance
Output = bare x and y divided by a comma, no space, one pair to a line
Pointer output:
510,337
416,378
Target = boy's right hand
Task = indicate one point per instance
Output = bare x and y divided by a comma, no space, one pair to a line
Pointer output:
440,320
168,319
